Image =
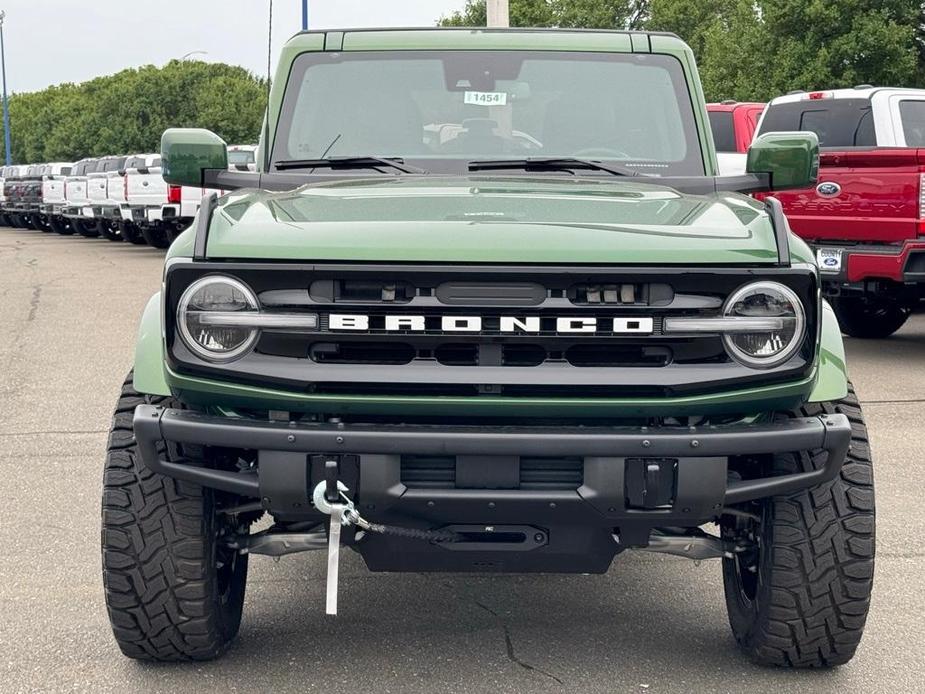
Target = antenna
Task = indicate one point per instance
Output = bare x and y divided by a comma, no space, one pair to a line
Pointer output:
266,118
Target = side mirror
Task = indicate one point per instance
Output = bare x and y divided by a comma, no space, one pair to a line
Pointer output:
791,160
187,153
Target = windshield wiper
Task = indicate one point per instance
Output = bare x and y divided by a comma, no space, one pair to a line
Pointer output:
550,164
364,162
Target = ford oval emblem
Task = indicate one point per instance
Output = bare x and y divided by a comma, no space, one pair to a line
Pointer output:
827,189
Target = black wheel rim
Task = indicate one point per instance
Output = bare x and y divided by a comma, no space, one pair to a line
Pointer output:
746,564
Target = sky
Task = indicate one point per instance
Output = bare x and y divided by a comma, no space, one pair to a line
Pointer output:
53,41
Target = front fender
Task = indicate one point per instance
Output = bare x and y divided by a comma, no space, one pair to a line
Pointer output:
149,351
832,379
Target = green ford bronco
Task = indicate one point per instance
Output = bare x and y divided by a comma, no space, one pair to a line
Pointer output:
486,306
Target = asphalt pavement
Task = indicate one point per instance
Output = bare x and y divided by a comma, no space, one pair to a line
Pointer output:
69,308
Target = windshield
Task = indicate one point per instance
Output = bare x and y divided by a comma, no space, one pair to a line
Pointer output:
240,156
449,108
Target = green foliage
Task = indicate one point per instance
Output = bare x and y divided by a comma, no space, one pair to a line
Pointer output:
756,49
596,14
127,112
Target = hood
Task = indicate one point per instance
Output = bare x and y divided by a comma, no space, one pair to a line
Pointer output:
491,220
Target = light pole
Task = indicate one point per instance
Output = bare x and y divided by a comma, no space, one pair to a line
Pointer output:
194,53
498,13
6,103
304,15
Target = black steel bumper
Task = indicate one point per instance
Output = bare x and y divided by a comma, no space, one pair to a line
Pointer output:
626,489
697,449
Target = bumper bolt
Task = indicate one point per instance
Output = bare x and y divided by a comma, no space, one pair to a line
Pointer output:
339,439
491,504
646,443
538,538
290,438
695,443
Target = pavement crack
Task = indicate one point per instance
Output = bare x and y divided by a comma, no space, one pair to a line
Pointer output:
52,432
34,302
893,402
509,645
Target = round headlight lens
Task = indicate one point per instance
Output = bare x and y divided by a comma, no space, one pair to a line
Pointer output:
212,294
764,349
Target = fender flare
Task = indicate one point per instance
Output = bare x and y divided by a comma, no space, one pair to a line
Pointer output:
149,376
832,376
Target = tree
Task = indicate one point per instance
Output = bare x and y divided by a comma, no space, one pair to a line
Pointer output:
589,14
757,49
127,112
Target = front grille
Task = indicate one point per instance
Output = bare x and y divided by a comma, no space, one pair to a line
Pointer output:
492,331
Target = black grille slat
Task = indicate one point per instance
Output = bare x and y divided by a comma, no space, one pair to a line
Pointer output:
536,473
551,473
428,472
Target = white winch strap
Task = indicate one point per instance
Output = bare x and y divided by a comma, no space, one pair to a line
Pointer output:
337,513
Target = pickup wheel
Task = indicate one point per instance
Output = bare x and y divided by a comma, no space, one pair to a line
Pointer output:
800,598
131,233
61,225
89,229
870,317
173,590
26,221
155,236
39,223
110,231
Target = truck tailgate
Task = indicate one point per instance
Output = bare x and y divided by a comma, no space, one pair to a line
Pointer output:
146,188
874,199
53,191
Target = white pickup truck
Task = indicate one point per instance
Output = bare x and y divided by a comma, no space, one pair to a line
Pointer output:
143,187
154,210
242,157
77,207
106,194
5,173
53,199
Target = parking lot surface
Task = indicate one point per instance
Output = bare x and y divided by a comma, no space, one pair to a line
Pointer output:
69,309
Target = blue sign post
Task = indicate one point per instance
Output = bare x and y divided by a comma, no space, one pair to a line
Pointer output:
304,15
6,105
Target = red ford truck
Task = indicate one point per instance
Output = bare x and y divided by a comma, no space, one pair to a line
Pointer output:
865,218
733,124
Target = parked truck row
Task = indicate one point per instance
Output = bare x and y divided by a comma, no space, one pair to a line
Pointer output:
115,197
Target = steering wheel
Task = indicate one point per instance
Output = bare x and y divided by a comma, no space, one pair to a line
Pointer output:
602,152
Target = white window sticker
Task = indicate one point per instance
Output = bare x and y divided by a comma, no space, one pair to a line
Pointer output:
486,98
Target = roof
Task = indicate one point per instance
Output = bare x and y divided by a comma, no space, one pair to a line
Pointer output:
485,38
851,93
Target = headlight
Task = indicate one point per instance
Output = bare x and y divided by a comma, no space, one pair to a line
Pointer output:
212,318
769,346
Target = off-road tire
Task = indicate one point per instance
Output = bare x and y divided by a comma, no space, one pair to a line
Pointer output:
110,231
131,233
167,598
62,226
88,229
815,562
155,236
870,319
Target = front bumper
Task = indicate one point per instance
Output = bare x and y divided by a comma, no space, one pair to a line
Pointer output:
901,263
282,478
